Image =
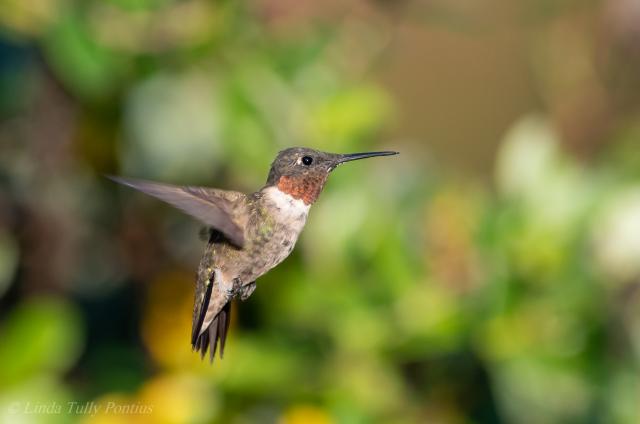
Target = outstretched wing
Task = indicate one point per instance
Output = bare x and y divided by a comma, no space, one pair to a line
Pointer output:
205,204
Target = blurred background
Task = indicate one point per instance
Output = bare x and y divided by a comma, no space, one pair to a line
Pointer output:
488,274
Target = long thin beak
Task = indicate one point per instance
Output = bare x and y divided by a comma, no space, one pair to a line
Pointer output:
356,156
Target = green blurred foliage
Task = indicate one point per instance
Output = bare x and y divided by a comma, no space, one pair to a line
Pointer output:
419,291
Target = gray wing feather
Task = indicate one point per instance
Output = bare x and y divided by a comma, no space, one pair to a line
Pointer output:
200,202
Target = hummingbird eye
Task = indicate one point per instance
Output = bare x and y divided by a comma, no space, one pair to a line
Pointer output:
307,160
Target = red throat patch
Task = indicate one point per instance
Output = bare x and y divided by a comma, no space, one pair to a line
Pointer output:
306,187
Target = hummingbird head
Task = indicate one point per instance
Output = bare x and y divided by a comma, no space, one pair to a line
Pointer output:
301,172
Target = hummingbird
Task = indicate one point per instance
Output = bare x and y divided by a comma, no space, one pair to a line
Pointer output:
248,234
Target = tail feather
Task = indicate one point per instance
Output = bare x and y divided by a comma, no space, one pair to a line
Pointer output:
213,335
216,333
203,342
223,326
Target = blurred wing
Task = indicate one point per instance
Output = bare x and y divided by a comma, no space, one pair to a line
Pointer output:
200,202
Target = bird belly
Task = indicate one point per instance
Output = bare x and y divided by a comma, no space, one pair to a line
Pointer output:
268,253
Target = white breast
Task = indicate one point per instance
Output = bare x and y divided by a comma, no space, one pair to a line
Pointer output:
290,211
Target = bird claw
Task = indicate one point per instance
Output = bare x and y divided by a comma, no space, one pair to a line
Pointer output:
247,290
